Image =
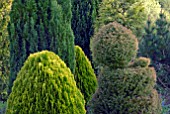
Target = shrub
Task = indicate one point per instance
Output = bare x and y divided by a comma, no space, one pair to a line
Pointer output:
125,86
45,85
124,91
141,62
84,74
114,46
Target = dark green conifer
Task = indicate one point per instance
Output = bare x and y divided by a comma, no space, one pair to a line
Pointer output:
162,40
45,85
84,15
37,25
146,45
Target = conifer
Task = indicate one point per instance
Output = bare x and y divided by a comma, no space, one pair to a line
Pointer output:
84,15
5,7
38,25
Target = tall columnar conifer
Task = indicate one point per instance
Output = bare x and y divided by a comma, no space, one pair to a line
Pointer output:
37,25
84,15
5,6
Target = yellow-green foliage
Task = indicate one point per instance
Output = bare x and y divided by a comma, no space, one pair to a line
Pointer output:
132,14
141,62
114,46
45,85
84,74
124,91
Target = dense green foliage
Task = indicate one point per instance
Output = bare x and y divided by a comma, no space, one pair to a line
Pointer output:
165,4
153,9
3,107
155,44
129,13
84,15
146,43
84,74
38,25
5,6
126,86
114,46
45,85
140,62
125,91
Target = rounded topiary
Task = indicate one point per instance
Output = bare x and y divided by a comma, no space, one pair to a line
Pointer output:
141,62
84,74
45,85
114,46
124,91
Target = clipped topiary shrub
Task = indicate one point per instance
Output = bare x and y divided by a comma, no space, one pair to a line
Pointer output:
125,86
45,85
156,102
141,62
114,46
124,91
84,74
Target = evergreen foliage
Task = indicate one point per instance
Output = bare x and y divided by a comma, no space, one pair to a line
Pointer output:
114,46
45,85
165,4
153,9
125,91
38,25
146,44
130,13
155,44
162,40
84,15
141,62
84,74
5,6
128,89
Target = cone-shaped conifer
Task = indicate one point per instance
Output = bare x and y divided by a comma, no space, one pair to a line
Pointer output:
84,74
45,85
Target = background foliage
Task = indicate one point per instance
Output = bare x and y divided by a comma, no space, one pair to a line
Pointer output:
130,13
84,16
5,6
39,25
